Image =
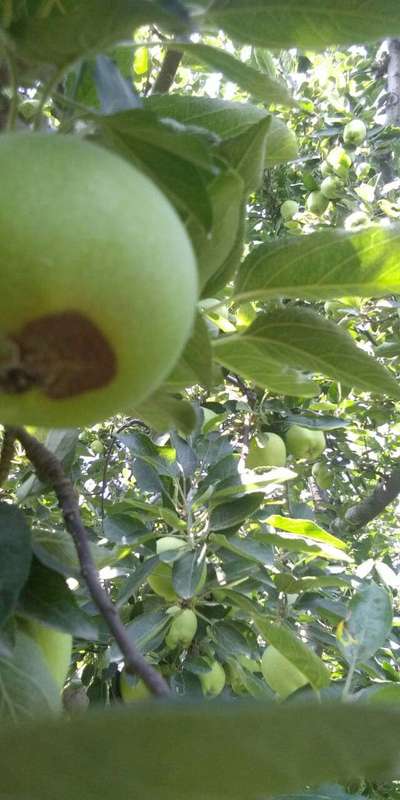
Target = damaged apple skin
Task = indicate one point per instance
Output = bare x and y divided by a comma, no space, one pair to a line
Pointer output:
98,282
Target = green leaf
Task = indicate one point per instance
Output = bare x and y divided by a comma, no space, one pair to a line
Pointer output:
107,754
284,640
47,598
72,29
227,515
246,153
57,551
15,558
228,119
262,87
247,547
146,632
367,625
195,363
307,528
27,689
229,266
285,582
324,265
163,412
187,573
226,194
301,339
313,25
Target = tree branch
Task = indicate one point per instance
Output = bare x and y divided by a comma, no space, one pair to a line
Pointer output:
50,470
165,77
372,506
6,455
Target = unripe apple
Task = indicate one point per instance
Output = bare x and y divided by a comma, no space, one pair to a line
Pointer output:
97,447
332,188
359,219
340,161
362,170
288,209
280,674
304,442
326,169
213,682
98,282
133,688
316,203
322,475
354,132
182,630
266,450
56,647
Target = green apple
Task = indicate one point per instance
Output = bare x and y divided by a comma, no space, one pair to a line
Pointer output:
322,475
213,681
133,688
97,447
182,630
288,209
98,282
340,161
362,170
280,674
332,188
55,645
304,442
317,203
359,219
355,132
266,450
326,169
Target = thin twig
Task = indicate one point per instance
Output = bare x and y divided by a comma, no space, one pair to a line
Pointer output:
50,470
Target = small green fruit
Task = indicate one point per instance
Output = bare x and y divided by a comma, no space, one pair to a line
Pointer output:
322,475
266,450
316,203
332,188
133,688
280,674
97,447
288,209
340,161
160,581
362,170
326,169
86,237
56,647
183,629
213,682
355,132
305,443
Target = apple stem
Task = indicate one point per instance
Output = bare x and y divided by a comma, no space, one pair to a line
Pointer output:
50,470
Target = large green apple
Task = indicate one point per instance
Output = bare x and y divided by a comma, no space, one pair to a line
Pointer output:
304,442
182,630
213,681
55,645
266,450
322,475
280,674
288,209
332,188
98,282
355,132
340,161
317,203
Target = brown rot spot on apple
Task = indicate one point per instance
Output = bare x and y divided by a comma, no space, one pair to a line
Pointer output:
63,354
